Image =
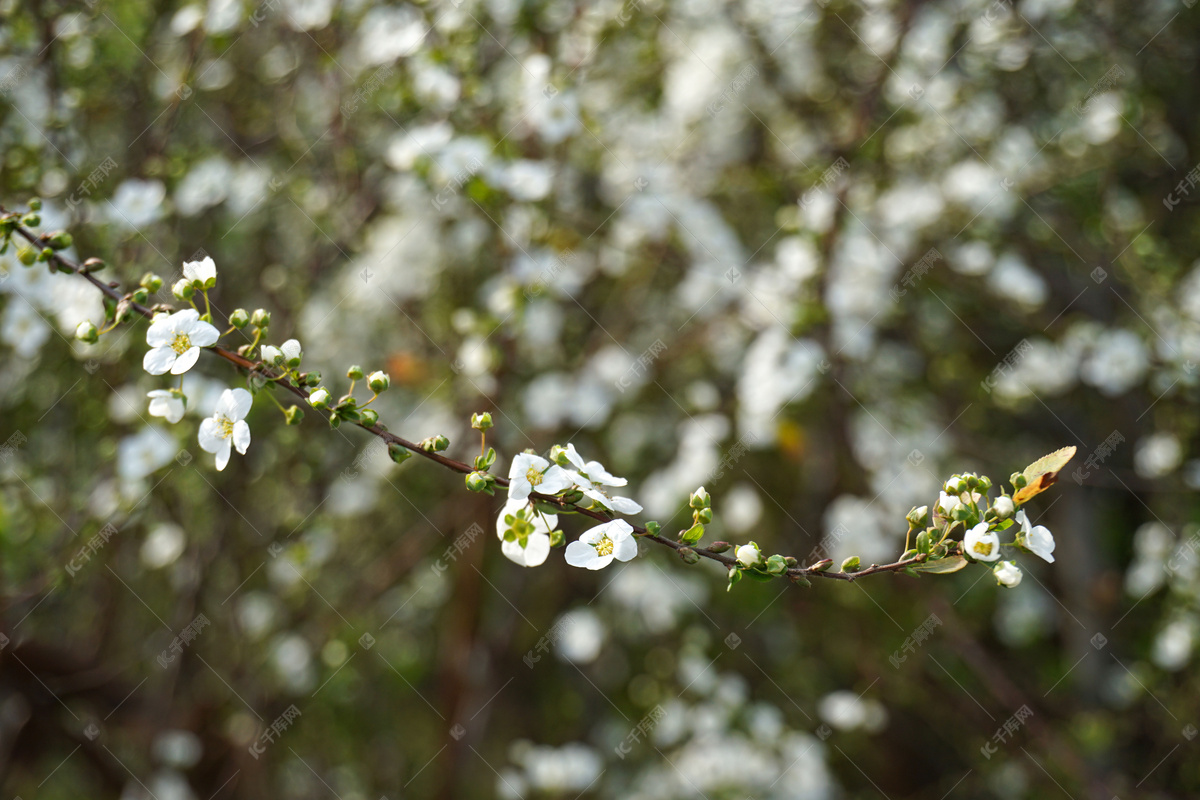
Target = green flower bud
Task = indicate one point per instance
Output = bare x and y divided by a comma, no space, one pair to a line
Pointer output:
335,421
481,422
653,528
822,566
398,454
435,444
293,415
379,382
240,318
850,564
86,332
183,289
369,416
31,220
94,265
140,295
35,204
27,255
719,547
319,399
312,378
480,482
918,517
355,373
558,455
59,240
688,555
703,516
261,318
46,254
700,499
776,564
150,282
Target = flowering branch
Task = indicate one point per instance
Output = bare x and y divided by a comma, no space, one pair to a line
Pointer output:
538,488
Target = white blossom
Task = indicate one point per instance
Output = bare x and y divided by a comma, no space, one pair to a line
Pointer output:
227,426
748,555
292,352
176,340
982,544
532,473
1007,573
524,533
168,403
597,548
1035,538
202,274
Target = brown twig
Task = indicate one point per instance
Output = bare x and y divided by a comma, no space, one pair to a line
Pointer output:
110,290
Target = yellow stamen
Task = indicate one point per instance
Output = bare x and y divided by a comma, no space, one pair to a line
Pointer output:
604,547
533,476
225,426
181,344
983,548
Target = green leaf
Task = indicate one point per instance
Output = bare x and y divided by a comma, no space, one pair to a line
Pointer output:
1041,474
735,575
941,566
692,534
850,564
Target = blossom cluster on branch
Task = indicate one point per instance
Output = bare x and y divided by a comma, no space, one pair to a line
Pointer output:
964,526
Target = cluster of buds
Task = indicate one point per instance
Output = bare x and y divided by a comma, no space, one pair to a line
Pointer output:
701,504
481,480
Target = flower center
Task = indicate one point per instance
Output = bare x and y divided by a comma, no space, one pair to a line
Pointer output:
225,427
533,476
604,547
181,344
983,548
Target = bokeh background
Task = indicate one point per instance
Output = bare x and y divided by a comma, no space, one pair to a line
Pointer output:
814,256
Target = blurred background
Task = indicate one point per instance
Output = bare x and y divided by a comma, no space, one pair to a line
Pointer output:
816,256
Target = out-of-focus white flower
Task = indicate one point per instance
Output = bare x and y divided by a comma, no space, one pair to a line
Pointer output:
1173,645
227,426
1157,455
524,533
982,544
389,32
205,185
137,203
1035,538
167,403
531,473
1007,573
581,635
1012,278
144,452
24,329
163,546
176,340
1118,361
847,711
597,548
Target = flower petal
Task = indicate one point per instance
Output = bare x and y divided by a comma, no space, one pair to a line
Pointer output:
223,455
555,480
513,552
241,436
210,435
186,361
203,334
537,548
624,505
239,402
625,548
159,360
580,554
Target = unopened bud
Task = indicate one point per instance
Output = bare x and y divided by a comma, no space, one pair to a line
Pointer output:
86,332
379,381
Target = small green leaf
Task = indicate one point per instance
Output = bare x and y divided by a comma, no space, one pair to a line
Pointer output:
850,564
941,566
692,534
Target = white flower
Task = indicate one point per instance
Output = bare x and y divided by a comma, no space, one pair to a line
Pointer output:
201,274
292,352
947,503
748,555
1035,538
594,471
169,403
270,354
1007,573
596,548
524,533
1003,507
227,424
530,473
982,544
176,340
137,203
622,505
